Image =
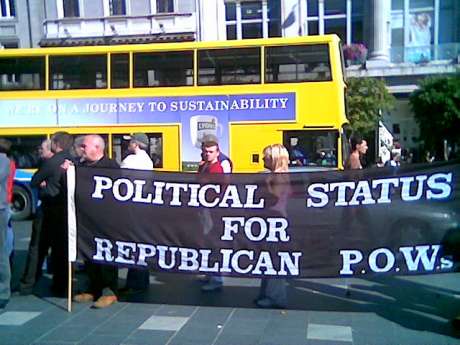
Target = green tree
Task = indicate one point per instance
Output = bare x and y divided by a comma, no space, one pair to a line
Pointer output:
436,106
367,99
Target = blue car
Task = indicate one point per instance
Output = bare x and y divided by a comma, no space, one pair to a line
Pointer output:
25,198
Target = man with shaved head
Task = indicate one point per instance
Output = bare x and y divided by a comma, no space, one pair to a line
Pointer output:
103,278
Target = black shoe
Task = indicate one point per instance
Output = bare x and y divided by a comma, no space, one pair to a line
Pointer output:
456,323
25,291
267,303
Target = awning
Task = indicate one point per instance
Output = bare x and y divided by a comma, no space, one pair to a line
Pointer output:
112,40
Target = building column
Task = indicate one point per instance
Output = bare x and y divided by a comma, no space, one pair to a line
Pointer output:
211,20
379,26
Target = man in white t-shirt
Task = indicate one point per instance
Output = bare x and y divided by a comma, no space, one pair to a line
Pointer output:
138,279
139,158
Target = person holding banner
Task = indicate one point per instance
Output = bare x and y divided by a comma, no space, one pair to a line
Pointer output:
53,194
138,280
103,279
273,292
40,241
210,165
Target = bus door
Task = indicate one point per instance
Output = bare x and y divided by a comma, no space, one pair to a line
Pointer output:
247,142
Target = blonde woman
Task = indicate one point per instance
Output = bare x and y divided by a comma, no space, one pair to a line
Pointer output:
276,159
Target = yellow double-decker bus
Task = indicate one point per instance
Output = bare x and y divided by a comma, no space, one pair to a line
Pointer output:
249,93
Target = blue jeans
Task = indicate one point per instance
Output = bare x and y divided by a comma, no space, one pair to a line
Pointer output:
5,273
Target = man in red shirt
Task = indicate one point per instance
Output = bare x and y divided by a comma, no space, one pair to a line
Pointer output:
211,165
211,153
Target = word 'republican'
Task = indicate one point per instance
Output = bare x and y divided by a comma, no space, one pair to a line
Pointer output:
170,258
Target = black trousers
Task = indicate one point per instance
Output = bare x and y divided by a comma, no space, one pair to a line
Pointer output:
103,279
40,243
56,218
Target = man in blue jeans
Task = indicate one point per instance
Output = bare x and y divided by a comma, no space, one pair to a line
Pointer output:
5,273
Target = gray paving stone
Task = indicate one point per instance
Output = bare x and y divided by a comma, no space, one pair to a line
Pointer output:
238,339
245,327
17,318
249,313
52,343
28,303
329,317
214,314
164,323
102,340
329,332
191,339
67,333
175,310
283,341
144,337
134,309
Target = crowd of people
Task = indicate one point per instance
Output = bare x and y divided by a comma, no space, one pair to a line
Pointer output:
49,228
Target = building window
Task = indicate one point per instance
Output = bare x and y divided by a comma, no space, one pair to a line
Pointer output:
71,8
416,29
165,6
117,7
252,19
8,9
341,17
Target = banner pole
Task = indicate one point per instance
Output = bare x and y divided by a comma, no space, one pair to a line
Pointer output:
69,288
72,231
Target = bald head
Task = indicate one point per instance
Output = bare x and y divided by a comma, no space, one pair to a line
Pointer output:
92,148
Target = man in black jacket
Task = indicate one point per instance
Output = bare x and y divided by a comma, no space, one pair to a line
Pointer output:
103,279
40,241
52,191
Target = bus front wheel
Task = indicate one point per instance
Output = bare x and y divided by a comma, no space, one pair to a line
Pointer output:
21,207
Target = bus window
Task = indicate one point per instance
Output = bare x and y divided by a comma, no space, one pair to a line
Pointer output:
22,73
286,64
229,66
120,144
78,72
163,69
313,148
119,71
24,150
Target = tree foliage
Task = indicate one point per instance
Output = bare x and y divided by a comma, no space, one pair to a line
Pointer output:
367,99
436,107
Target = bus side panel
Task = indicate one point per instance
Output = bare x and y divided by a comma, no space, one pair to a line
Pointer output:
247,142
171,148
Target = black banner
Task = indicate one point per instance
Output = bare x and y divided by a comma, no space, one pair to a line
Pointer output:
324,224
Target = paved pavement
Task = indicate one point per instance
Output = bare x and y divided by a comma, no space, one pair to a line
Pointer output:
394,310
